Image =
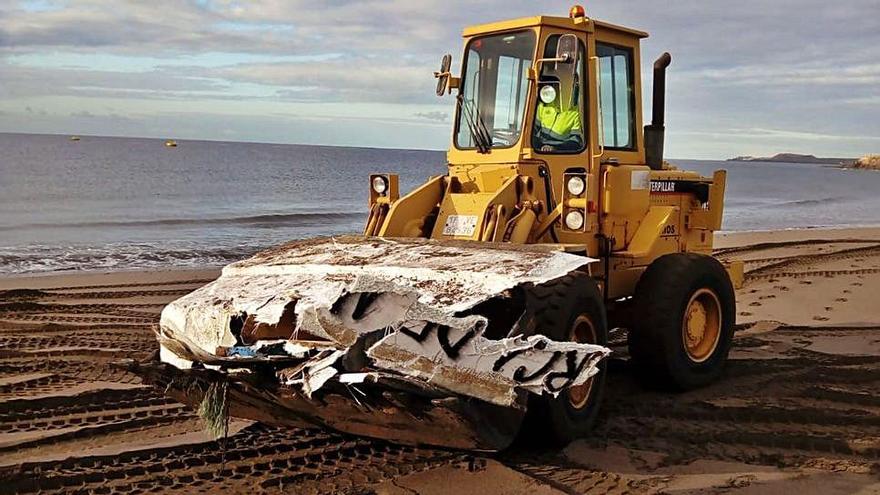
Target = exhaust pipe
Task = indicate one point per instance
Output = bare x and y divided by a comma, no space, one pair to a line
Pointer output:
654,132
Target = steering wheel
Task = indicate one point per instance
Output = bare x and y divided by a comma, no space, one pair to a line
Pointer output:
507,137
570,142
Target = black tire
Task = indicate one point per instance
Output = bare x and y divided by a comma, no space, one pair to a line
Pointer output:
659,339
552,310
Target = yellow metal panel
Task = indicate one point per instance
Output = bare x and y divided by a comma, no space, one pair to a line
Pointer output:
475,204
491,179
716,198
526,22
623,280
407,215
521,226
492,27
735,270
653,226
551,21
621,29
626,192
697,240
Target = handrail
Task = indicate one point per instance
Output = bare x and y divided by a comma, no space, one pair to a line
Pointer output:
601,121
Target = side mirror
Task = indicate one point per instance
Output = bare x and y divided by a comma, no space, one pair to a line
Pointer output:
443,74
567,51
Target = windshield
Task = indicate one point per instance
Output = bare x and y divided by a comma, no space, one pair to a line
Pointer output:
494,90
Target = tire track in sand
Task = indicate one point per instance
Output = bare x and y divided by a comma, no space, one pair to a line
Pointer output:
777,405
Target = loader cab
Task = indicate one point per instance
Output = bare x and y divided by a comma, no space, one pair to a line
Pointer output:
518,101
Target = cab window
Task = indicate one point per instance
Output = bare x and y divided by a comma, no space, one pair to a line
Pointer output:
492,99
559,112
616,95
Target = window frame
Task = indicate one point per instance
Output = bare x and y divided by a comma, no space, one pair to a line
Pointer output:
462,82
584,98
631,89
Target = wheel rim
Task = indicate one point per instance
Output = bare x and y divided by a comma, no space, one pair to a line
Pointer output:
701,325
582,331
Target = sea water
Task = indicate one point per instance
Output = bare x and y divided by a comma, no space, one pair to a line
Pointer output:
121,203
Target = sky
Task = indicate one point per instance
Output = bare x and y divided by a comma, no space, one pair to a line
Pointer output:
748,77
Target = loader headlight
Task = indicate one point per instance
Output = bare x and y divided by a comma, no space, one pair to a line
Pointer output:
380,184
576,185
574,220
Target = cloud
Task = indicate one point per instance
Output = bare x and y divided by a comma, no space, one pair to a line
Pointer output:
812,74
128,25
353,78
37,111
435,115
19,82
781,134
270,26
873,100
799,67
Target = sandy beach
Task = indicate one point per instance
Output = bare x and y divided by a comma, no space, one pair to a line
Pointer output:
797,408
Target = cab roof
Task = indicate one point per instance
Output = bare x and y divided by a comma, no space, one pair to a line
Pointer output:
541,20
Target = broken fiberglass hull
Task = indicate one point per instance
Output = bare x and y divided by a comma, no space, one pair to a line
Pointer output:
411,340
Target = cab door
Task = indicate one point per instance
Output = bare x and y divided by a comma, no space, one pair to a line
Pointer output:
564,150
618,148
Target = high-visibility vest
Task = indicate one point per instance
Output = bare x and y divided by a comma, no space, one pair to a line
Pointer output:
556,121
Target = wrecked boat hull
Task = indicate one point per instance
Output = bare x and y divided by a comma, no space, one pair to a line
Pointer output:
406,416
413,340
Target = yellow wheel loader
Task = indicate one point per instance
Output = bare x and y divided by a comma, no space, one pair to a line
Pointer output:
481,301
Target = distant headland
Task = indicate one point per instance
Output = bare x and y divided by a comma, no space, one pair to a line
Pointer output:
867,162
794,158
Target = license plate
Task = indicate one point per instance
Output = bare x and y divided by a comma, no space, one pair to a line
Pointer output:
460,225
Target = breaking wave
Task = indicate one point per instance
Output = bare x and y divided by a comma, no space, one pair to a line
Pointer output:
813,201
43,259
285,219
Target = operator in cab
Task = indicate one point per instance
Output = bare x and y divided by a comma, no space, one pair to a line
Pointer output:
557,128
558,116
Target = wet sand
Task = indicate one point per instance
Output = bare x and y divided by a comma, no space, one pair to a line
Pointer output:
797,409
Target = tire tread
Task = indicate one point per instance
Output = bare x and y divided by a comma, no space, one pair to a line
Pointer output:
655,339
